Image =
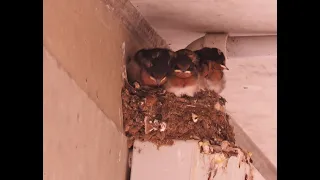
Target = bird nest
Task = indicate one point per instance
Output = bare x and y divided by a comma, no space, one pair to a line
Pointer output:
161,117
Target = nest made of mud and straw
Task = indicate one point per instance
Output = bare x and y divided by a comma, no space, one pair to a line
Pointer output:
141,109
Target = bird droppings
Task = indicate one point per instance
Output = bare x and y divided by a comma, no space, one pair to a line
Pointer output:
163,126
219,107
221,152
161,117
194,117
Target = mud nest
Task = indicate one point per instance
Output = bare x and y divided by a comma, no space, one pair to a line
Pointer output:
161,117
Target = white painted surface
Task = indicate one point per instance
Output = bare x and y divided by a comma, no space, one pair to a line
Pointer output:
251,92
180,22
251,46
170,163
245,16
182,161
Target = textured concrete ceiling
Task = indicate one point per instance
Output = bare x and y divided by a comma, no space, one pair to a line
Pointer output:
180,22
233,16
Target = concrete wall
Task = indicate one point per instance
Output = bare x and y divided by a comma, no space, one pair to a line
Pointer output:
85,45
80,142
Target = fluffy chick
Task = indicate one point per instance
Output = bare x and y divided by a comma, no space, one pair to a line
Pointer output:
150,67
184,79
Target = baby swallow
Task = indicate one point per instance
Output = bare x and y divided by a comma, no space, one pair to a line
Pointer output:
211,54
212,64
184,79
150,67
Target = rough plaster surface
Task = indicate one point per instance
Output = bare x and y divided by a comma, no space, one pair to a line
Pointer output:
80,142
91,39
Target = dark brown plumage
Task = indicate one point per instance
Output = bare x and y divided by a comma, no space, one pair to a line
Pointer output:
150,67
211,54
211,66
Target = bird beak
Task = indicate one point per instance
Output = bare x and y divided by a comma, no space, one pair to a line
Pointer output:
224,67
163,79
